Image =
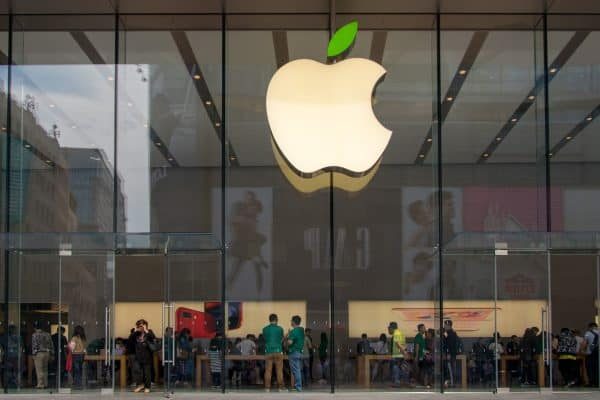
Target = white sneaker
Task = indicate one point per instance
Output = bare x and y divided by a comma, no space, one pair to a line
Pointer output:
138,389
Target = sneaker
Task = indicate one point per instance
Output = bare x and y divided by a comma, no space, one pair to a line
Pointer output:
146,390
138,389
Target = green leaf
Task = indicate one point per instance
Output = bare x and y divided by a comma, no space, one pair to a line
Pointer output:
342,39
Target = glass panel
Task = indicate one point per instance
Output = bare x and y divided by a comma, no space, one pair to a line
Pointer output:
278,237
89,356
192,335
34,314
169,147
494,172
63,124
400,202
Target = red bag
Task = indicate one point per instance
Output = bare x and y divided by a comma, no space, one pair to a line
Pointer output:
69,362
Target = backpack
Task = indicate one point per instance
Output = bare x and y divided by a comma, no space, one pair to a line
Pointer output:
567,344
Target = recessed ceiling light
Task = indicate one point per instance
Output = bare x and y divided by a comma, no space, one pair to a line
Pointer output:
449,98
27,146
486,155
208,102
217,124
513,120
421,155
498,139
158,144
429,139
73,126
588,118
569,137
462,72
48,162
553,70
550,154
129,104
3,128
170,158
531,97
110,78
51,106
197,77
145,125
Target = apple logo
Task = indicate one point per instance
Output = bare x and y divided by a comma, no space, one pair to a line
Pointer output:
321,115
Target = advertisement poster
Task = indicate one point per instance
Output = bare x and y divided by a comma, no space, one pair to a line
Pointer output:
249,236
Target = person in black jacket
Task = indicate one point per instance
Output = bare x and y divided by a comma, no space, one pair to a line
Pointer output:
144,342
450,347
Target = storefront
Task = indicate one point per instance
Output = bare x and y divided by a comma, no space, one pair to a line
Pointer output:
146,175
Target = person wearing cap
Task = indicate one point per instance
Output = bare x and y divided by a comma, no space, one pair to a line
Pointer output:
398,352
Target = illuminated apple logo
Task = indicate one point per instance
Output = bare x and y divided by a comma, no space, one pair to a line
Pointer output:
321,115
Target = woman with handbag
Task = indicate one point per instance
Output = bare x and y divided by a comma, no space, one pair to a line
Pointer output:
145,346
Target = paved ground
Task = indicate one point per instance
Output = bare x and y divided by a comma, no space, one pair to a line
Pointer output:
581,395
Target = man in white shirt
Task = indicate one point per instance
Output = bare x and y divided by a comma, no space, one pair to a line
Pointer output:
247,347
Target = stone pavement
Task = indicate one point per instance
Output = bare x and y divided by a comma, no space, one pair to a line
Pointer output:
256,395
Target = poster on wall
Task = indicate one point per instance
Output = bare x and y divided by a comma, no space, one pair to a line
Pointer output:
470,318
249,226
419,215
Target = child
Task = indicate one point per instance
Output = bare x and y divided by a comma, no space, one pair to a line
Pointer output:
214,355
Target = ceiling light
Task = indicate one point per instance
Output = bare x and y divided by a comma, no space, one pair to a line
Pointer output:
110,78
3,128
158,144
208,102
73,126
462,72
449,98
589,118
553,70
217,124
550,154
421,155
27,146
145,125
486,155
532,97
569,137
498,139
197,77
170,158
51,106
429,139
129,104
48,162
513,120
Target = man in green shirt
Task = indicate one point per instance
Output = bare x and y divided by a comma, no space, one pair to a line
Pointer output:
273,335
295,340
420,350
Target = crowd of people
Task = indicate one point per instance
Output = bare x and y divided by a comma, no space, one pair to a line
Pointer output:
292,355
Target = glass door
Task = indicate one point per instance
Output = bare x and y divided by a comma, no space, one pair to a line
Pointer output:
192,331
60,321
574,314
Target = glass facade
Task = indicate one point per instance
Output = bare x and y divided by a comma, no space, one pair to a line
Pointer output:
140,181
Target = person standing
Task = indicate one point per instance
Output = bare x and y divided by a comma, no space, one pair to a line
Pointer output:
306,351
419,356
323,357
77,345
590,348
295,340
379,347
398,365
450,344
216,363
311,353
42,350
273,334
60,342
567,357
145,341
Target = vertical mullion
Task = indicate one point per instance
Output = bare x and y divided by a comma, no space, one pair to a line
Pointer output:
439,194
547,127
224,165
332,352
7,167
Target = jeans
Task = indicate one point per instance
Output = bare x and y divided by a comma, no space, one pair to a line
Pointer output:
77,369
591,363
143,374
398,372
296,363
216,378
306,370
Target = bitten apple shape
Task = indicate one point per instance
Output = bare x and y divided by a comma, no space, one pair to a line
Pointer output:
321,116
